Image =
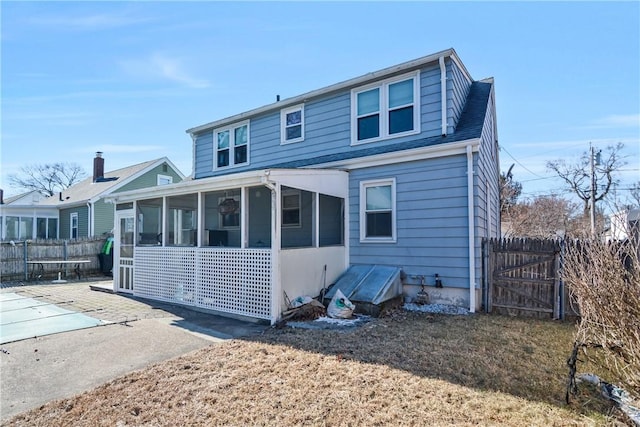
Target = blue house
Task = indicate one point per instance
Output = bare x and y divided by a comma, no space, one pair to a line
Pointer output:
395,168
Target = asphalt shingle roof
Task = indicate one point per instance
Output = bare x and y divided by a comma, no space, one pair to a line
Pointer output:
87,189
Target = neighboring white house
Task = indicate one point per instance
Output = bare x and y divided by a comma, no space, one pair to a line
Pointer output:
80,210
623,225
23,217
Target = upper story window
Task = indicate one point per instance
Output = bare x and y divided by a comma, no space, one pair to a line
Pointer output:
292,124
231,145
386,109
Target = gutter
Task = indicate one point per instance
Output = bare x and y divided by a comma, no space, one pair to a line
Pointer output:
90,226
472,237
347,84
443,95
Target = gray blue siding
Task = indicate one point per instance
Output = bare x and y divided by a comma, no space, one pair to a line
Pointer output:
432,224
327,130
83,221
457,90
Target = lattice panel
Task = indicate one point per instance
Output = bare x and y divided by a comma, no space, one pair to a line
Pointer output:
234,281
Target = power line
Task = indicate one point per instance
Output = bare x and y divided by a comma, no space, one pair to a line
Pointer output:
518,162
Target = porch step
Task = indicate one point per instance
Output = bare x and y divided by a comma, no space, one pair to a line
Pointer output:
369,287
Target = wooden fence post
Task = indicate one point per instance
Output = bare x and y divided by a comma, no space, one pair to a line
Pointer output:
26,266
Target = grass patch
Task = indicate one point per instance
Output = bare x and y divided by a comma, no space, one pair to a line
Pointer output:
405,369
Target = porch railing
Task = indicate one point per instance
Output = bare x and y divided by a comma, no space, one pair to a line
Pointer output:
236,281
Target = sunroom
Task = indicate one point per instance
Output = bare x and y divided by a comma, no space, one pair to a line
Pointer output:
238,244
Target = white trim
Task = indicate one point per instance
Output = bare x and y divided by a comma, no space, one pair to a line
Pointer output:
292,192
232,146
283,124
125,181
331,182
443,96
167,177
363,210
383,108
472,238
71,216
347,84
422,153
237,198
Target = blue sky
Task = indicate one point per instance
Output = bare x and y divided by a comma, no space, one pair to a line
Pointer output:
128,78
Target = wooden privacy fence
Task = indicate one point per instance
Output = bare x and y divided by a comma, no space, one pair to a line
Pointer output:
522,278
14,257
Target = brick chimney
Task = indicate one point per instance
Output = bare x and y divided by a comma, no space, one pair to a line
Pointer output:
98,167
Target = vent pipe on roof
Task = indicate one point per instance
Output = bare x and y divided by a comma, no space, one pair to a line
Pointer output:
98,166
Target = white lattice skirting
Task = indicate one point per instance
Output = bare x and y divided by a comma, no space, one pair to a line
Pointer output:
229,280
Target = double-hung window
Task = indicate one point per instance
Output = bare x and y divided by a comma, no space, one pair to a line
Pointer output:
231,145
291,208
386,109
292,124
73,225
378,211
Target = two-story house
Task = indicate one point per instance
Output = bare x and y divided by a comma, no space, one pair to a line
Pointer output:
398,168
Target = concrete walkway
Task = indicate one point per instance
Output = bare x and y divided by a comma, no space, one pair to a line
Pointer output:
139,333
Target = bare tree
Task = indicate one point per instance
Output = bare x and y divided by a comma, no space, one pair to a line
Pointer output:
48,178
604,284
578,175
543,217
510,190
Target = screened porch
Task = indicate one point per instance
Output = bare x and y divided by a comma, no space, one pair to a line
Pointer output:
237,244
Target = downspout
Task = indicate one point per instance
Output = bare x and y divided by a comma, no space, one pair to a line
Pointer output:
193,156
275,248
443,95
472,237
90,226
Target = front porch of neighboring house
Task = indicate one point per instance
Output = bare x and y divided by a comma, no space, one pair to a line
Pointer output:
234,244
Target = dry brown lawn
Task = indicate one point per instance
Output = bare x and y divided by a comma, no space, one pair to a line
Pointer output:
405,369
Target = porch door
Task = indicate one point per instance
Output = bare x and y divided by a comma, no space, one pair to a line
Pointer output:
123,255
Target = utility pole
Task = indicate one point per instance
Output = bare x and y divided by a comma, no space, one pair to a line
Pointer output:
592,210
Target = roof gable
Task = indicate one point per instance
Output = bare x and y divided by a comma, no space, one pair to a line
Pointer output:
88,191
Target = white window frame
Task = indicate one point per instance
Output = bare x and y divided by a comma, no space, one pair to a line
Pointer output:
283,124
73,215
383,112
288,193
363,210
231,128
221,216
160,178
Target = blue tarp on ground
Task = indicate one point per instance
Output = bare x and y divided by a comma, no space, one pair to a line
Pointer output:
22,318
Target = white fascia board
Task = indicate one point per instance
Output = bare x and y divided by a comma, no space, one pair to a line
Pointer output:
422,153
191,186
458,62
347,84
136,175
331,182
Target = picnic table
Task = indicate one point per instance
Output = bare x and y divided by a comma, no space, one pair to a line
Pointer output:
37,267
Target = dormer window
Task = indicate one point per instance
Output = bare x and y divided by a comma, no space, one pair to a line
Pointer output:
231,145
386,109
292,124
